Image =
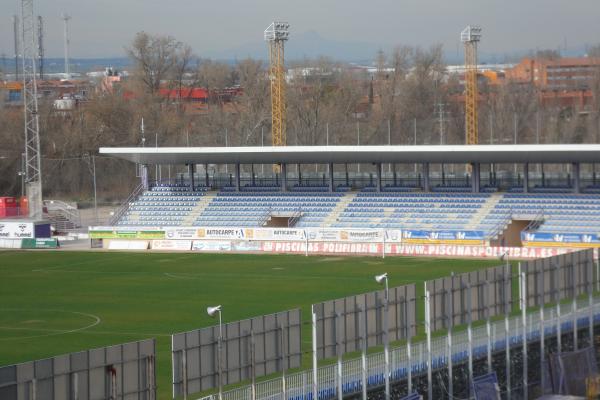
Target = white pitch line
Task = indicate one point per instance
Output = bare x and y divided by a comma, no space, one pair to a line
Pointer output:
170,275
96,318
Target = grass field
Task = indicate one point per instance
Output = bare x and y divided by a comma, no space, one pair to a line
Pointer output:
58,302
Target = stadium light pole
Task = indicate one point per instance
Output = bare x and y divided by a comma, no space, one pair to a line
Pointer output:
212,311
503,257
91,163
383,279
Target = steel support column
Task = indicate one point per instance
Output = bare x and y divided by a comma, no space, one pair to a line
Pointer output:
576,177
426,187
378,171
331,183
144,176
191,168
283,177
237,177
526,178
475,177
206,178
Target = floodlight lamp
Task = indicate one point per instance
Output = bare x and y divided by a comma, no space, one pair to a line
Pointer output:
212,311
381,278
472,33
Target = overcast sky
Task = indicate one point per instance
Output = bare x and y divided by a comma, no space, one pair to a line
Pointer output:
101,28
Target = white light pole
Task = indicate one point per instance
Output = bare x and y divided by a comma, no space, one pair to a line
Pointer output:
211,311
503,257
383,279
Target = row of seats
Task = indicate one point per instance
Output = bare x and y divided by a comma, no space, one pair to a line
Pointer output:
562,213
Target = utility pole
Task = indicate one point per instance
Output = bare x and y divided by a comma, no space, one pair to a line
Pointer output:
66,17
41,45
441,115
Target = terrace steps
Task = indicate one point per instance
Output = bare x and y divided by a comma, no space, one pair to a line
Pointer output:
485,209
199,208
339,208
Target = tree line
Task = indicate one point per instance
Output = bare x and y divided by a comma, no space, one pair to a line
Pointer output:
409,99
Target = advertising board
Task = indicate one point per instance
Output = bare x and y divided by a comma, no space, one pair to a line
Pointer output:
172,245
443,236
560,239
39,244
321,247
127,244
213,246
432,250
99,232
16,230
353,235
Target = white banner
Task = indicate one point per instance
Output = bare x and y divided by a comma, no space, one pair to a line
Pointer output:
353,235
10,243
220,233
175,245
240,246
451,250
128,245
322,247
205,245
181,233
271,234
16,230
274,234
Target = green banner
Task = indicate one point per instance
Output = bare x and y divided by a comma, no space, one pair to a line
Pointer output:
39,244
126,234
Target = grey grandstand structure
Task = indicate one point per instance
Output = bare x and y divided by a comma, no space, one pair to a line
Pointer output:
506,194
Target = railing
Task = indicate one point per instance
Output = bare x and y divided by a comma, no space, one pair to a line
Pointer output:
295,217
576,314
501,225
264,218
538,219
125,206
63,215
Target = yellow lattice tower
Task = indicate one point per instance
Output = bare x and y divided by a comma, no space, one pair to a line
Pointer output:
276,35
470,36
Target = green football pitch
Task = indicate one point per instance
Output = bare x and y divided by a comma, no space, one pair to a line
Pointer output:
53,303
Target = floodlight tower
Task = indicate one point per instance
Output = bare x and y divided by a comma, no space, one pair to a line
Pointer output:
276,35
33,165
471,36
66,17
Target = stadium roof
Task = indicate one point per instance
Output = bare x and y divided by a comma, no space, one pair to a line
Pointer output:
546,153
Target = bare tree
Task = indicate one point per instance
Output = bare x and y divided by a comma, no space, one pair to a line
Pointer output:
154,58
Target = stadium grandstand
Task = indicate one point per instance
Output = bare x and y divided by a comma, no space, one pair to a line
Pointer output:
495,206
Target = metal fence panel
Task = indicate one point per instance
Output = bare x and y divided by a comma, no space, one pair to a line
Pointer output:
270,343
470,296
343,324
125,371
560,277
